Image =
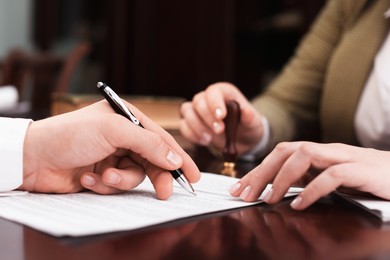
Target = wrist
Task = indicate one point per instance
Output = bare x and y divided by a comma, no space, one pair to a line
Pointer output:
260,148
30,152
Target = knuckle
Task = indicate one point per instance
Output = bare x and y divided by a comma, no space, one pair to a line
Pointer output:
186,105
183,108
281,147
157,142
305,149
198,97
213,87
219,87
333,173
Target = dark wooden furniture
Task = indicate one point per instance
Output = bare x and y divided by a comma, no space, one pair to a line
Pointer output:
328,230
37,75
177,48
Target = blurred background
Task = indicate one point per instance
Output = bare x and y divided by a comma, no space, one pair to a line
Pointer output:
167,48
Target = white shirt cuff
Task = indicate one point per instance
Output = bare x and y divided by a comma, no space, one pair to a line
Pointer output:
261,147
12,134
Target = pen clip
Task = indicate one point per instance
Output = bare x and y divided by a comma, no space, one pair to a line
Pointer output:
115,98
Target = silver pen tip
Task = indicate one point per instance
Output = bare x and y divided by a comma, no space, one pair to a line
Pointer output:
100,84
186,184
192,189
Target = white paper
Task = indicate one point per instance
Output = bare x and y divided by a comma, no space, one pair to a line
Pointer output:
376,206
12,193
88,213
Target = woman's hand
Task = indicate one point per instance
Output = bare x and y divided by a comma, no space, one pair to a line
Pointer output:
202,118
363,169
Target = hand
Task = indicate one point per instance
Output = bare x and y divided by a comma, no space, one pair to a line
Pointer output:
202,119
363,169
97,149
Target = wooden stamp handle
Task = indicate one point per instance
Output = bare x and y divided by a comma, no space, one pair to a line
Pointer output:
231,121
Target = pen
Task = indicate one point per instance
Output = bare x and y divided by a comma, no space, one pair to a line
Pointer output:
119,106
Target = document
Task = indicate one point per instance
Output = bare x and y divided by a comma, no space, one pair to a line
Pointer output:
87,213
376,206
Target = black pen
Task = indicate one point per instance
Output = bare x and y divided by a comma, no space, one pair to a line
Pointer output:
119,106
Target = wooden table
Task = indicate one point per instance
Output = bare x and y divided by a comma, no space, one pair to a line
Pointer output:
328,230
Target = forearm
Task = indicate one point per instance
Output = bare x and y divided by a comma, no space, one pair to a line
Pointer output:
291,103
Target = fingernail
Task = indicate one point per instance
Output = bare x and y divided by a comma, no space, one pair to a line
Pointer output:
173,158
218,112
206,138
268,195
88,181
113,178
216,127
235,187
245,193
296,202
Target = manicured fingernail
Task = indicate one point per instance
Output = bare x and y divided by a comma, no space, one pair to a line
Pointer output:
218,112
235,187
173,158
113,178
296,202
206,138
245,193
268,195
88,181
217,127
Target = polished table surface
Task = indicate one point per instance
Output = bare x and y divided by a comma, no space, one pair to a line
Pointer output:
330,229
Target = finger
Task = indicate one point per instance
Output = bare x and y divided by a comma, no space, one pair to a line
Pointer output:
93,182
253,183
211,120
217,94
192,127
162,182
215,99
126,176
322,185
304,156
294,167
189,134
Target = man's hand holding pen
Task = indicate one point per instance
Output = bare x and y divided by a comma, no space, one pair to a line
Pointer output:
96,149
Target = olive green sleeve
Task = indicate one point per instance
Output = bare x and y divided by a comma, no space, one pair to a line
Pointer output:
291,102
